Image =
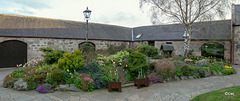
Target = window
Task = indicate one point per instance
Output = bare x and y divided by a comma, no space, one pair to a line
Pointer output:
168,42
138,36
151,43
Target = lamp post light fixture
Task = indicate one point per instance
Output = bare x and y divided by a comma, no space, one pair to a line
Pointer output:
87,14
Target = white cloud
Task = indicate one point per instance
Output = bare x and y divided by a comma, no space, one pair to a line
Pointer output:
117,12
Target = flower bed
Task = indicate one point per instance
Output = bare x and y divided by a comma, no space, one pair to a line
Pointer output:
123,66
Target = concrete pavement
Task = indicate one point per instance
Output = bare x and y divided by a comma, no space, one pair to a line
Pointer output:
182,90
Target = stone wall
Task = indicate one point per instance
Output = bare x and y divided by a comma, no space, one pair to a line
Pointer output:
236,44
33,45
236,33
195,45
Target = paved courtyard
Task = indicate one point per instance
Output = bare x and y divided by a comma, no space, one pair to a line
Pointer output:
183,90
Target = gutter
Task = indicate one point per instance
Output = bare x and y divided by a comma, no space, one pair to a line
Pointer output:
131,42
132,35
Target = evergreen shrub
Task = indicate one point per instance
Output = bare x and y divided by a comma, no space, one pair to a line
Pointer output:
51,56
136,61
71,61
148,50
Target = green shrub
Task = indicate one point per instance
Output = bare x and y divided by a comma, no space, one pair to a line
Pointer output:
201,71
117,58
50,80
136,61
129,50
87,47
57,75
71,61
41,72
78,83
103,58
148,50
68,77
99,81
112,49
88,51
96,72
91,68
228,70
189,70
8,81
129,77
51,56
178,71
17,73
29,77
84,82
45,68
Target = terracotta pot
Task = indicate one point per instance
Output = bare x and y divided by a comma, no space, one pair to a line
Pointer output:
139,82
114,84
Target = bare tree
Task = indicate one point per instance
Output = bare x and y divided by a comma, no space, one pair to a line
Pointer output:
186,12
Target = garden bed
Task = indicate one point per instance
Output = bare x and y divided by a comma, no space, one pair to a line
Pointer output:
61,68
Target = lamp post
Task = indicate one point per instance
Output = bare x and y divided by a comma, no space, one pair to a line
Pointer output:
87,14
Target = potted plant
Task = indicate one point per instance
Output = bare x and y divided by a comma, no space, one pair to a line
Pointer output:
141,80
113,81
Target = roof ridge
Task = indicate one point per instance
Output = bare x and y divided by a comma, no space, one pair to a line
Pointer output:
57,19
38,17
180,23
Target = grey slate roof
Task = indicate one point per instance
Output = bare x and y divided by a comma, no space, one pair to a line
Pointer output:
22,26
216,30
236,15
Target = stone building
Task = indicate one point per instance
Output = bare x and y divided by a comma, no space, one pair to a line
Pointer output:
22,36
236,34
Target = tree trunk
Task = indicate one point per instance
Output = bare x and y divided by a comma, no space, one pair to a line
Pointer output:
185,47
187,41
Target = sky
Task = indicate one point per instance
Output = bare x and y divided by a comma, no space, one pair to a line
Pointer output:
114,12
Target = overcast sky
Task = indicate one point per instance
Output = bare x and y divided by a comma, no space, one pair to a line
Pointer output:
115,12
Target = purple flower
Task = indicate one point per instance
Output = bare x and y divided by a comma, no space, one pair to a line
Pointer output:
44,88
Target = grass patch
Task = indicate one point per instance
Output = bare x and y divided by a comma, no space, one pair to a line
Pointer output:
219,95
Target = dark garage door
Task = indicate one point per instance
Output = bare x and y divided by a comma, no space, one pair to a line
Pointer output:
12,52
